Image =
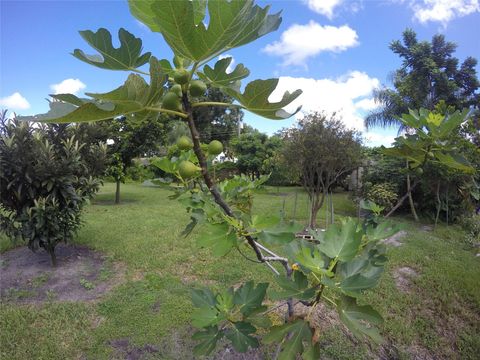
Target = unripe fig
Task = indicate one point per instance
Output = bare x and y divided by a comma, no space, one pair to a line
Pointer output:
187,169
177,89
184,143
181,76
171,101
215,147
197,88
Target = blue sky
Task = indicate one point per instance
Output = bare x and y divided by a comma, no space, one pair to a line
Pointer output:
336,51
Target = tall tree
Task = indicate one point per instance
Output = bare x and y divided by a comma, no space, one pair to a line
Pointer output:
214,122
429,73
320,150
252,150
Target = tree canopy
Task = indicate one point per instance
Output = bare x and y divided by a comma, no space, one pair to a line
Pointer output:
429,73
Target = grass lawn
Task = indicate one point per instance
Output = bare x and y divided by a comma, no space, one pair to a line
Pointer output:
437,315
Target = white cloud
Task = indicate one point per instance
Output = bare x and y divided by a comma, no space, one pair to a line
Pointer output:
375,139
230,67
15,101
340,95
366,104
323,7
68,86
299,42
443,11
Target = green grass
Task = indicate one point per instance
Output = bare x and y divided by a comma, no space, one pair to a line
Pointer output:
152,306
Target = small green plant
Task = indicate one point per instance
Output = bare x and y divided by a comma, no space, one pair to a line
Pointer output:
40,279
87,284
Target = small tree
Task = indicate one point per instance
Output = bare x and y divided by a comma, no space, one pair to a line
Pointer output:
43,186
321,150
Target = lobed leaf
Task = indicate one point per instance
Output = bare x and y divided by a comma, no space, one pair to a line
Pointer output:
127,57
208,340
360,320
240,336
293,288
181,22
255,99
341,240
249,297
219,77
300,332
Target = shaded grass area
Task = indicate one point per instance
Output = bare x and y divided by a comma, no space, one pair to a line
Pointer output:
439,314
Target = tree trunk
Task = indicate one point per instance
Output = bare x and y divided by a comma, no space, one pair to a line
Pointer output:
53,257
439,204
317,203
402,199
410,199
117,193
332,215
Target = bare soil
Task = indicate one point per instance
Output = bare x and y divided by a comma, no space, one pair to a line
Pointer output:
403,278
81,275
394,240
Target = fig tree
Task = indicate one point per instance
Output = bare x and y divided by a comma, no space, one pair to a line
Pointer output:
197,88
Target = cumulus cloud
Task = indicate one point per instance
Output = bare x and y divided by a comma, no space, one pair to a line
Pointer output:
15,101
230,67
68,86
366,104
375,139
341,95
443,11
300,42
323,7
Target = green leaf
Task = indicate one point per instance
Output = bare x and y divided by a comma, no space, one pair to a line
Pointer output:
240,337
199,10
218,237
206,316
293,288
353,285
255,99
249,297
300,331
164,164
312,352
458,163
127,57
219,77
452,121
203,298
383,230
231,24
312,260
281,234
225,301
208,340
360,320
134,96
341,240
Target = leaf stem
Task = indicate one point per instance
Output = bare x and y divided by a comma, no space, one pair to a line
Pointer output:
215,103
171,112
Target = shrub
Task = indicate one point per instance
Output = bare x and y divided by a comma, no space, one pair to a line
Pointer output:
383,194
471,225
43,186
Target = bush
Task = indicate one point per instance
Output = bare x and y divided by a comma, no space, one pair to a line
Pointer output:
383,194
471,225
43,185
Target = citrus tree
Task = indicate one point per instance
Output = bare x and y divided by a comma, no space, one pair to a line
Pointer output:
347,259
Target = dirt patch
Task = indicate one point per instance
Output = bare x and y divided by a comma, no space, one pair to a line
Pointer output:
81,275
124,350
403,278
394,240
229,353
426,228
